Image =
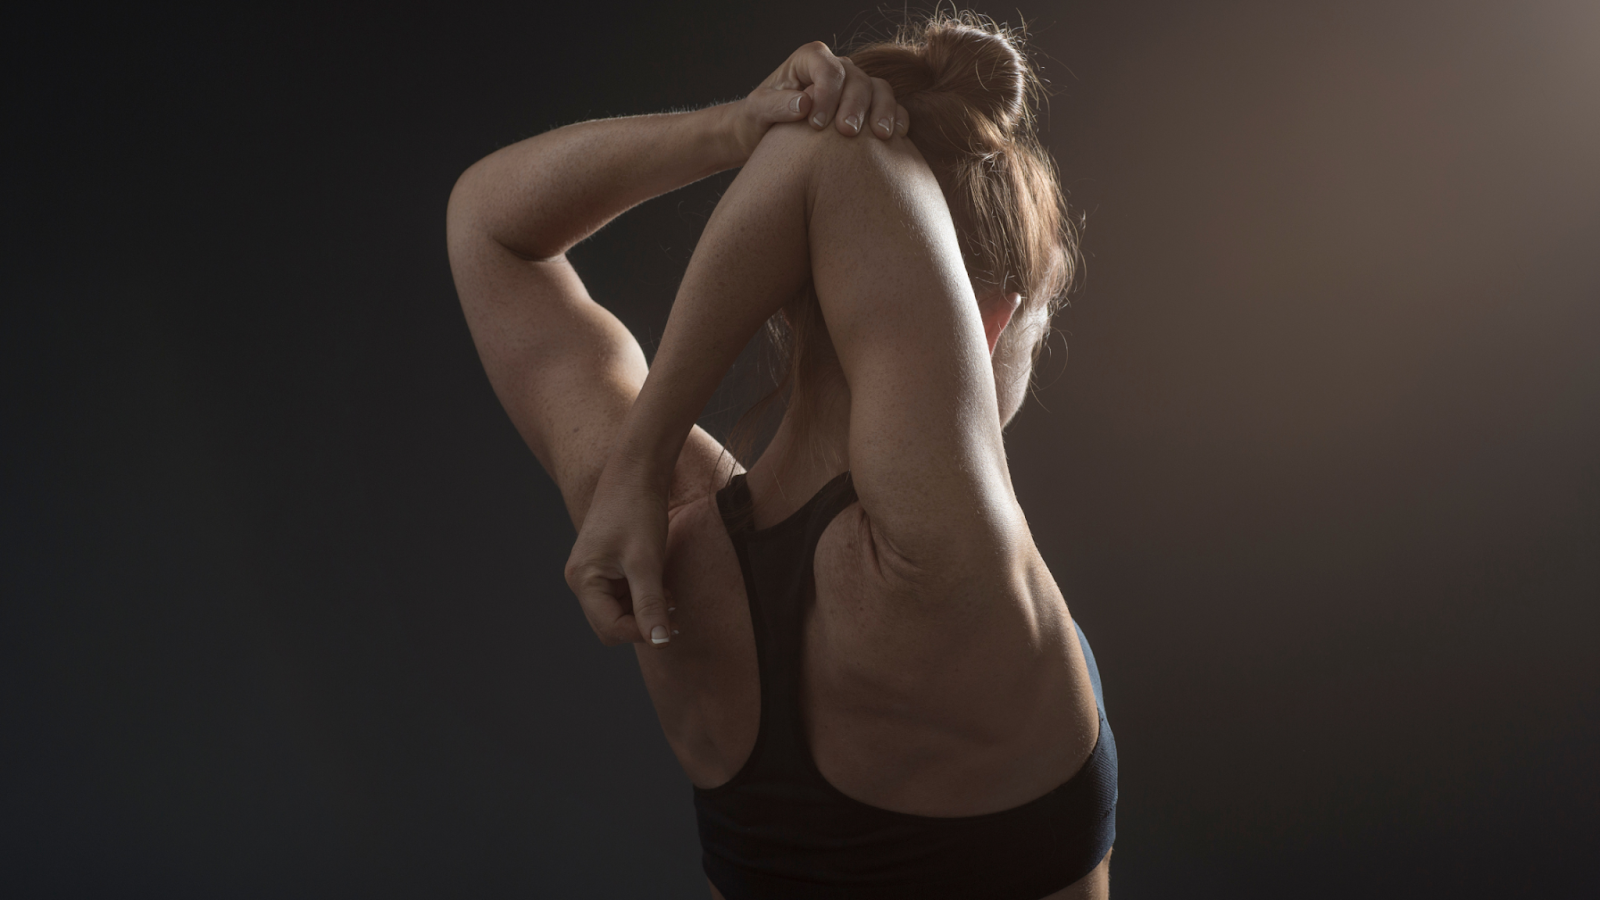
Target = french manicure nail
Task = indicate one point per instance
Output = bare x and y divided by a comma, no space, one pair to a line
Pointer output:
658,635
854,122
886,125
794,103
818,120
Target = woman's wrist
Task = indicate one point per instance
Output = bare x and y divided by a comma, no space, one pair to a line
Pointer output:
647,447
725,134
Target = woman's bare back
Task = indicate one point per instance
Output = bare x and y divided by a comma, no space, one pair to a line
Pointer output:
898,716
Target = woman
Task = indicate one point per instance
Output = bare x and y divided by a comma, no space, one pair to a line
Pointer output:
854,648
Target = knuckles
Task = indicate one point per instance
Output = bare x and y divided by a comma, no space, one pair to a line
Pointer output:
577,574
612,633
833,67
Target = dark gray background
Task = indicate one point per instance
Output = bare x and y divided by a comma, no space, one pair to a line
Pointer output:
282,601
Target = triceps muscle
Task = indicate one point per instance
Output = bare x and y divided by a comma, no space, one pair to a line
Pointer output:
565,369
926,450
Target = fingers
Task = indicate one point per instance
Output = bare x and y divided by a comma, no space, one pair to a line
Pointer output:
855,101
616,563
624,601
884,109
649,602
600,598
784,105
825,73
834,89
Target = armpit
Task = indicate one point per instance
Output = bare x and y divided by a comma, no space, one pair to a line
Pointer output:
857,551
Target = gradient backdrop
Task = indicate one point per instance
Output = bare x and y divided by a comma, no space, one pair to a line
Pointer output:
283,612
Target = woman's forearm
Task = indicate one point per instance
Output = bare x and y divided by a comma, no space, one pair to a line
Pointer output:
540,196
751,260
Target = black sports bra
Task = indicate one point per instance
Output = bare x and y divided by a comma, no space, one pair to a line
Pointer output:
779,830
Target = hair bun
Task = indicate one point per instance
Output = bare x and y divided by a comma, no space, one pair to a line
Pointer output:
964,80
981,66
970,93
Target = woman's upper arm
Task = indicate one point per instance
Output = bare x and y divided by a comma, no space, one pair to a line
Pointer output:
565,369
926,450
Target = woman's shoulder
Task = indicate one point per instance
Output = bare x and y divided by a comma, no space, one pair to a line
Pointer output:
796,145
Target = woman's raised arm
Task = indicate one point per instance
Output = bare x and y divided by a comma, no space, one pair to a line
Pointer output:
867,224
565,369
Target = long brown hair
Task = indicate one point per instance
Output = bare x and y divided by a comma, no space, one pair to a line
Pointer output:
971,94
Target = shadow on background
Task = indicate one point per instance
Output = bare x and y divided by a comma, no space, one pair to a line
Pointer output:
283,609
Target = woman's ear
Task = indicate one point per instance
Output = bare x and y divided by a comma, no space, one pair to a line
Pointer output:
997,305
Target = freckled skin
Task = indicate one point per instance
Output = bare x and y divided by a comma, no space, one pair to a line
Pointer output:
940,656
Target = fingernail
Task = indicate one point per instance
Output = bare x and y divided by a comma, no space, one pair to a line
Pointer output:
794,103
886,126
658,635
854,122
818,120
